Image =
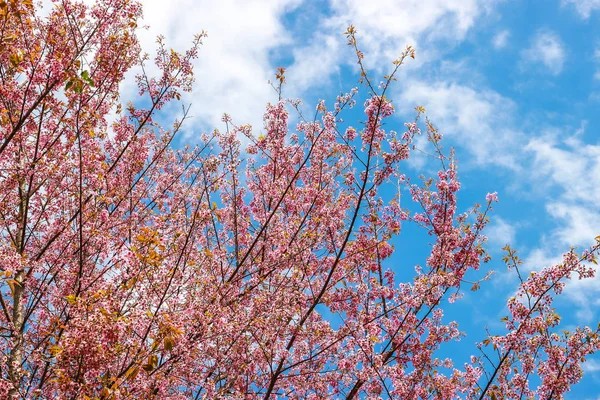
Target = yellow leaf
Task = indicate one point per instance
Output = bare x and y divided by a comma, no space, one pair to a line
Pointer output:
176,330
55,350
16,58
132,372
151,364
169,342
153,359
147,367
71,299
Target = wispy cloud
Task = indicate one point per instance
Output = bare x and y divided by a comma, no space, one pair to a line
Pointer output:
591,366
385,28
315,62
572,167
500,233
578,224
233,67
479,119
500,40
584,7
546,48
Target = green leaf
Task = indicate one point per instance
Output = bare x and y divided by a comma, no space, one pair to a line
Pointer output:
85,75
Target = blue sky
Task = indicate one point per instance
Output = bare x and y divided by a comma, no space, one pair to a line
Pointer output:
514,86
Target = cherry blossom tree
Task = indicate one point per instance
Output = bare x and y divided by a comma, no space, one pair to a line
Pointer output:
248,266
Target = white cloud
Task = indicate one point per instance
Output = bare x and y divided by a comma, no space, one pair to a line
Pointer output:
538,259
385,28
500,233
479,119
578,224
591,366
574,168
500,40
583,7
314,63
234,63
233,66
546,48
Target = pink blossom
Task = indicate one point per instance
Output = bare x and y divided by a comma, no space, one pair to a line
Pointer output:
491,197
